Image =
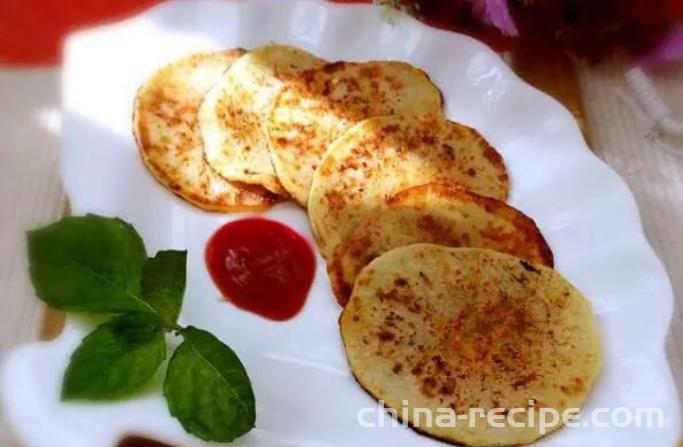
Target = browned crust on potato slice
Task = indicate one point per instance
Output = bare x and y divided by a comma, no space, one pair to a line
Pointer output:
443,214
381,156
465,328
167,132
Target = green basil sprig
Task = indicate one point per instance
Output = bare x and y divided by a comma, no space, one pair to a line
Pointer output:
98,264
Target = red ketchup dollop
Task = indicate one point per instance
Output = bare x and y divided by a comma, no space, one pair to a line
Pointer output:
261,266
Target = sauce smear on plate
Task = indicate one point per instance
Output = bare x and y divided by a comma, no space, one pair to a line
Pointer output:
261,266
138,441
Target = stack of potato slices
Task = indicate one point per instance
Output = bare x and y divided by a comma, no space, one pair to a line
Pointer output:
449,295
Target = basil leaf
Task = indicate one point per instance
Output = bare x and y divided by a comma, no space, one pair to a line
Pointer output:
163,284
88,264
116,359
207,388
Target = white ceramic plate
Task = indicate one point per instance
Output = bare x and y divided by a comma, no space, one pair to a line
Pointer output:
305,393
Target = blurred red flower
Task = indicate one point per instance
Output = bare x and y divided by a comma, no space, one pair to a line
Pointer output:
32,31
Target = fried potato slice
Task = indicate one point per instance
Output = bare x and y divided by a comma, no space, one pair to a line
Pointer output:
438,214
438,328
234,111
384,155
167,132
315,109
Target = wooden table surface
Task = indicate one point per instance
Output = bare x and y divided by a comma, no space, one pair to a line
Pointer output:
652,165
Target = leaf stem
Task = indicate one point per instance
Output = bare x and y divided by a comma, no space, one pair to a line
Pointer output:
174,327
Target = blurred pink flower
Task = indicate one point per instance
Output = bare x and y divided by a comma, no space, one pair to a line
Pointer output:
495,13
669,49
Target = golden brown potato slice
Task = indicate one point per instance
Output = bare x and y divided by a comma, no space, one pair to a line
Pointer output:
234,111
311,112
438,214
384,155
443,328
167,131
